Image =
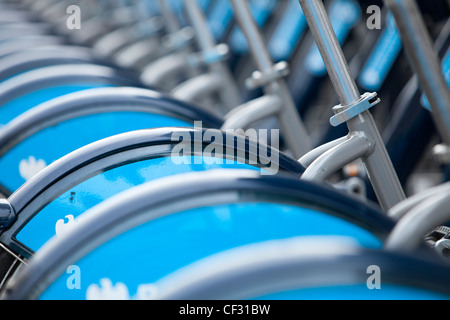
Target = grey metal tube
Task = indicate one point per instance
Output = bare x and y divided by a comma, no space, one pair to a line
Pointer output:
424,60
379,166
198,21
311,156
355,147
252,111
251,30
331,51
410,231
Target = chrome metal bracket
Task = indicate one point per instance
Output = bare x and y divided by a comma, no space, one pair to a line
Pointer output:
260,79
344,113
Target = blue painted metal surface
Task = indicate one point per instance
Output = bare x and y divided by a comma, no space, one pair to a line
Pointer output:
15,107
101,187
151,253
46,146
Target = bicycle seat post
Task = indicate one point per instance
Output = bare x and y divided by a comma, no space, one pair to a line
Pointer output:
353,109
270,77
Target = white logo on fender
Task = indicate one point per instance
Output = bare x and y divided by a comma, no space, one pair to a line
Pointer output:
106,291
29,167
62,226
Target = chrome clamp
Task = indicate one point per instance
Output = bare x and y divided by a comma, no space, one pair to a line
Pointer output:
344,113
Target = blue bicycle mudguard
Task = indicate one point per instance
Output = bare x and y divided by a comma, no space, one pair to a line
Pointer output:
25,91
95,190
223,227
266,207
29,157
303,268
125,155
75,120
288,33
18,106
261,11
